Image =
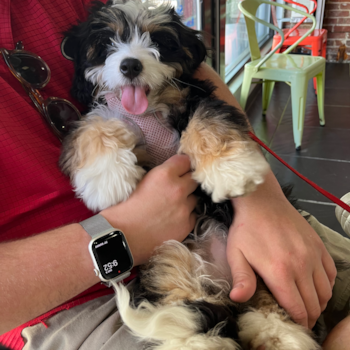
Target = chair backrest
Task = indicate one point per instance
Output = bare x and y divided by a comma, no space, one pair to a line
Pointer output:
290,31
249,8
273,10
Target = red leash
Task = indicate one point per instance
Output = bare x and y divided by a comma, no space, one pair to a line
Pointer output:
318,188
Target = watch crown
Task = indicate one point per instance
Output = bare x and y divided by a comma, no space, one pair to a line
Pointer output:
96,272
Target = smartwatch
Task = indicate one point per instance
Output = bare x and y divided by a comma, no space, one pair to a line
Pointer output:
109,250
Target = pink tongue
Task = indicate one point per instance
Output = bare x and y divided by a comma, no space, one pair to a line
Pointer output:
134,99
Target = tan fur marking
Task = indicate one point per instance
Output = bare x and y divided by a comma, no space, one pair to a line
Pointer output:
177,67
147,26
188,52
178,274
116,27
169,96
143,158
90,52
97,136
264,301
206,139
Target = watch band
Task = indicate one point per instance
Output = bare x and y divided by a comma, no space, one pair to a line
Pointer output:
96,225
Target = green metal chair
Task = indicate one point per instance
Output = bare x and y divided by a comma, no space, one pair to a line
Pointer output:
295,70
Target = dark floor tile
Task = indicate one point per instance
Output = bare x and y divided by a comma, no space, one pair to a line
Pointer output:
266,126
336,117
263,127
317,141
338,76
333,96
337,97
277,105
332,176
254,111
280,97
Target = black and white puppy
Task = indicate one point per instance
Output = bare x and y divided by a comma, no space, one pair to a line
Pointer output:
133,67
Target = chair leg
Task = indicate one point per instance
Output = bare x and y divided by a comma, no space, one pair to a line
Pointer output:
324,49
247,81
320,96
299,93
267,90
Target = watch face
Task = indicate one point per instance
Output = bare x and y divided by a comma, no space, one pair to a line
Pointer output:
112,255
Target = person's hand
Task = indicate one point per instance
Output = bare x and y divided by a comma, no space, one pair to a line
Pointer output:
269,237
161,208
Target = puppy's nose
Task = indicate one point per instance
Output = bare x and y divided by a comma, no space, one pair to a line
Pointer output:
131,67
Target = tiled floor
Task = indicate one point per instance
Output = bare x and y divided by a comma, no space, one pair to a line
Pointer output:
325,154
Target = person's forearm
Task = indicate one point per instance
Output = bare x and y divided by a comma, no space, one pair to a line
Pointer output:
269,190
270,238
41,272
204,72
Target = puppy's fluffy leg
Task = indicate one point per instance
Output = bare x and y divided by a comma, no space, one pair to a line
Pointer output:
174,274
266,323
171,324
99,156
225,160
169,327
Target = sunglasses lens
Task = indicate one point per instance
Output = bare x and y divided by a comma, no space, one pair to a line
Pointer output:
62,116
29,68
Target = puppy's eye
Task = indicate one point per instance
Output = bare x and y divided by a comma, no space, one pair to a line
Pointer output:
164,41
172,44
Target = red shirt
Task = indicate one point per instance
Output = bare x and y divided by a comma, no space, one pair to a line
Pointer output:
34,195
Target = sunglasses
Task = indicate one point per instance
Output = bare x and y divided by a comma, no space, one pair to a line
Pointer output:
33,73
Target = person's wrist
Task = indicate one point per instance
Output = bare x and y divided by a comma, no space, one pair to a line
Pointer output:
84,240
268,201
114,216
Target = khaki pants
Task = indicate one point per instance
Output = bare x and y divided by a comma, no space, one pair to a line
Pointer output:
338,247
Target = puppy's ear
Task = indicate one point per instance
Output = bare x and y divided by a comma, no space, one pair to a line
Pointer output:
192,42
190,39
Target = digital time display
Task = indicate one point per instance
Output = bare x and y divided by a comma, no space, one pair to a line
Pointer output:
112,255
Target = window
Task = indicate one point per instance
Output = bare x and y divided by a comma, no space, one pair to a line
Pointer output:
236,38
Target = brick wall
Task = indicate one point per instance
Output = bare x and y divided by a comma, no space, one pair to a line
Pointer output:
337,22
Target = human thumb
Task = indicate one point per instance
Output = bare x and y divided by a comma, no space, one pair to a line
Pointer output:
244,279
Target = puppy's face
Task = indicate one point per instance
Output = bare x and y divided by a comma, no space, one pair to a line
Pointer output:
133,51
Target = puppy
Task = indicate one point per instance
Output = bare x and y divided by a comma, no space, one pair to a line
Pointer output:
133,67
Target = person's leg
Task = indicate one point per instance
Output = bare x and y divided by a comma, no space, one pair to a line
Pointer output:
339,337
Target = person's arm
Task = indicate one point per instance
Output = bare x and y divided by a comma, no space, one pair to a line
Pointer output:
269,237
41,272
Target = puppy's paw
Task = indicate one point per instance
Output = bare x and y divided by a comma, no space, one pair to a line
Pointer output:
273,333
109,180
226,162
99,157
233,175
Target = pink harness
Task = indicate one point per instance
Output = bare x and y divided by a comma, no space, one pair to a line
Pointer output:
159,140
